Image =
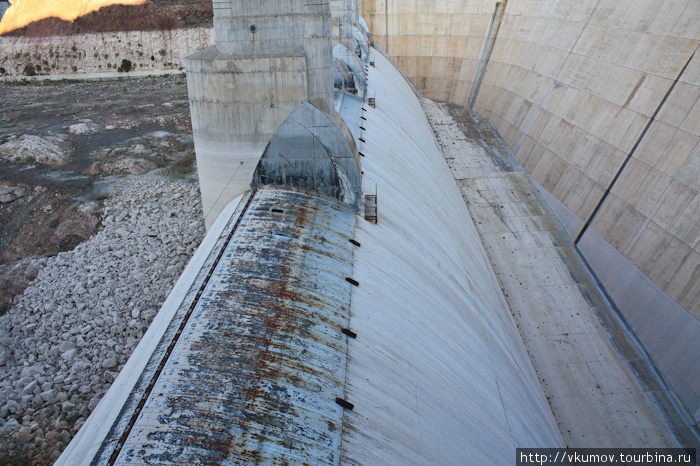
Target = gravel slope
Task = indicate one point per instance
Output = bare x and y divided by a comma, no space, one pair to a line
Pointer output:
68,335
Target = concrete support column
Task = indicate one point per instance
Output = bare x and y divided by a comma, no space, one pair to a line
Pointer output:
345,15
269,58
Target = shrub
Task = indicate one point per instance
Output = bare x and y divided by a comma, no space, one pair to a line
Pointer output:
126,66
29,69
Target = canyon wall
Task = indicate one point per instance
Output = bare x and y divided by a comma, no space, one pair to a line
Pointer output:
598,100
101,52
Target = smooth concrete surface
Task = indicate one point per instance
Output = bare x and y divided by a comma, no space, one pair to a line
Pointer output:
593,374
572,87
669,333
438,373
667,330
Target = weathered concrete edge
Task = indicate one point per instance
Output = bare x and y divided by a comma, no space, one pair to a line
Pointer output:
88,441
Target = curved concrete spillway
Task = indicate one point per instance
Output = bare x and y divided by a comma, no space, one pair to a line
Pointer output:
434,369
253,374
438,373
598,100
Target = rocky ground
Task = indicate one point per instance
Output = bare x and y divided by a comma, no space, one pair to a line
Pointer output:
62,145
97,231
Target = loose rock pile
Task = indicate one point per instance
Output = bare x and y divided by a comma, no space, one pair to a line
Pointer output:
11,193
67,337
49,150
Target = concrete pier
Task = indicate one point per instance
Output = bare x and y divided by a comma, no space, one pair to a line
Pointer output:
267,60
344,14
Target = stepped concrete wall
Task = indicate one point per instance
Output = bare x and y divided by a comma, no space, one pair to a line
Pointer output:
591,96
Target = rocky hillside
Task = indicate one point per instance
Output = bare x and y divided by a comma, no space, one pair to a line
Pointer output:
155,15
154,36
99,210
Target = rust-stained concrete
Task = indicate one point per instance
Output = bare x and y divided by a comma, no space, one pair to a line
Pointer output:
254,359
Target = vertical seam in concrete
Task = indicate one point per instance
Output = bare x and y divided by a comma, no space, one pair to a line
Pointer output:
556,80
498,14
634,148
386,23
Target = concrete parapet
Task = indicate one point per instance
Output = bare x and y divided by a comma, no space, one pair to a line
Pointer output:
259,36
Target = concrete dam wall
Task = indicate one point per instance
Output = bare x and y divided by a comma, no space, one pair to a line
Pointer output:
598,100
401,319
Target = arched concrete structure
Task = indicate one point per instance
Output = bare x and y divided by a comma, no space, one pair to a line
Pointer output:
309,151
600,102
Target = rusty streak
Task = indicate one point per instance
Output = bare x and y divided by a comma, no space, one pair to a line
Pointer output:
164,360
